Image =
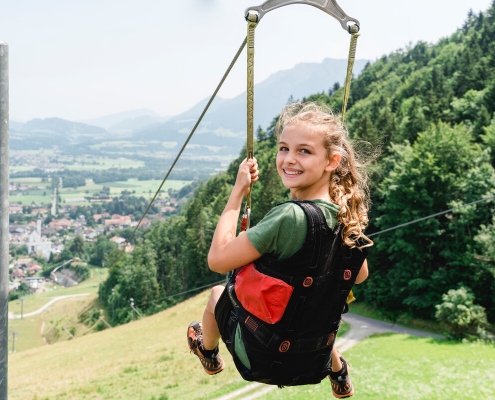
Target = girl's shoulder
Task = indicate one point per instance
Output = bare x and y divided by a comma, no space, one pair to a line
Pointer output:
330,211
286,211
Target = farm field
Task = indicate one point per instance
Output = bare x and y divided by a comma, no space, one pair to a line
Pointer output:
156,356
33,159
145,188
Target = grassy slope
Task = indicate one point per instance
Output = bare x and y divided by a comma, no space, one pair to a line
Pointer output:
404,367
34,302
140,360
148,359
61,314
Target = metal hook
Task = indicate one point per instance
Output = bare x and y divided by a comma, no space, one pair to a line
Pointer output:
329,6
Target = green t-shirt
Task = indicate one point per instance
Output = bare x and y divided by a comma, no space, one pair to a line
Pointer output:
282,233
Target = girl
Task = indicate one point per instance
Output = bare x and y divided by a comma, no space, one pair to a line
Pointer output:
280,314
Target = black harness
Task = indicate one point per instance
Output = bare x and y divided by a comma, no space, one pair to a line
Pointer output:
297,349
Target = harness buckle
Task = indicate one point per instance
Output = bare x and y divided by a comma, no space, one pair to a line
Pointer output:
284,346
307,282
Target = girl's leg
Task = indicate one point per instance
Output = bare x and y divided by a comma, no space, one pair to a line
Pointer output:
211,334
336,363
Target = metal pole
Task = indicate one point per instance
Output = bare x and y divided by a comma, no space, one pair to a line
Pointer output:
4,216
13,345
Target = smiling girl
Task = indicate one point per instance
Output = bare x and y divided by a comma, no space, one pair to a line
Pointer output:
280,313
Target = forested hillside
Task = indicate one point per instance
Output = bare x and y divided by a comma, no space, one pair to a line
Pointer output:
430,111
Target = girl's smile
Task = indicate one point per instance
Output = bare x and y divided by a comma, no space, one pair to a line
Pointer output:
303,163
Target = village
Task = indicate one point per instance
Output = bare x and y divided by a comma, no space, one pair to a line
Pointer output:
37,234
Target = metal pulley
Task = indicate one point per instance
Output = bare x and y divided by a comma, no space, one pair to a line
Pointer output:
329,6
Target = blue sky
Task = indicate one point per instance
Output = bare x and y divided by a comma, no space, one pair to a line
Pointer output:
85,59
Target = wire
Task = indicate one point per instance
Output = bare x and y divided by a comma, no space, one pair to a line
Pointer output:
430,216
187,291
185,144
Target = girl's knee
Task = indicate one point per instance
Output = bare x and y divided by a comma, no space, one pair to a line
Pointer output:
215,294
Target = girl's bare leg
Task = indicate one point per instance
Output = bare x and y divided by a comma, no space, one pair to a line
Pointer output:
211,334
336,363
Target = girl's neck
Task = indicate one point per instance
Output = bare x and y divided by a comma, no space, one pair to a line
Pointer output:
312,193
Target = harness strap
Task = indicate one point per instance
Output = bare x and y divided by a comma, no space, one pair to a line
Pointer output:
295,280
271,340
315,218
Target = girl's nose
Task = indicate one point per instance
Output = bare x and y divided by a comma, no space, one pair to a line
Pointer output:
289,158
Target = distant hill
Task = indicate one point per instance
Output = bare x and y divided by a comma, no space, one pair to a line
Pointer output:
43,133
130,125
222,131
224,125
109,121
58,125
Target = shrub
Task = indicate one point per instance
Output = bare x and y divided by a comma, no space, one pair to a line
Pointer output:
458,315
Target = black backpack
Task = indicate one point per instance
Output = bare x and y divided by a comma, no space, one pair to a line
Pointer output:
296,350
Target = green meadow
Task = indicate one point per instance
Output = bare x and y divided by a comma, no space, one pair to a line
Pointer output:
145,188
149,359
63,313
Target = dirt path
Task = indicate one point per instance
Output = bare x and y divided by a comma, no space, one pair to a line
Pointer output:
361,328
40,310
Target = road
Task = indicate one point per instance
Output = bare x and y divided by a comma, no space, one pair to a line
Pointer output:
361,328
40,310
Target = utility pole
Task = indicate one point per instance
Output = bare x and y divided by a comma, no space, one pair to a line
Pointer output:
134,310
132,307
13,333
4,216
113,306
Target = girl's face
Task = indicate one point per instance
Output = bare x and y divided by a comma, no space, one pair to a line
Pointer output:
303,162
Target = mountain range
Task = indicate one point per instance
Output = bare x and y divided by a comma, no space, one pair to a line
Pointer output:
223,128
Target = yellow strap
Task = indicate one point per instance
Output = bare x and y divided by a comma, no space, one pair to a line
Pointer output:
252,23
350,64
350,297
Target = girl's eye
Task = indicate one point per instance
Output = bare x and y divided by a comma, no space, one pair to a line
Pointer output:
305,151
283,148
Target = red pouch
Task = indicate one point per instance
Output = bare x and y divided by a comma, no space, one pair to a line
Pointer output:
263,296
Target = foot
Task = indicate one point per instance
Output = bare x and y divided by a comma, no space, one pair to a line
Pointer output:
341,382
212,364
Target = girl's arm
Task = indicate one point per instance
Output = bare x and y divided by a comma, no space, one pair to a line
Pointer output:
228,251
363,272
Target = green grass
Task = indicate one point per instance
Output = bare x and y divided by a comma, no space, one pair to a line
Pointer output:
35,301
139,360
149,358
104,163
62,313
145,188
401,367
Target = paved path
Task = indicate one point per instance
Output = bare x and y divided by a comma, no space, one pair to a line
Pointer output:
40,310
361,328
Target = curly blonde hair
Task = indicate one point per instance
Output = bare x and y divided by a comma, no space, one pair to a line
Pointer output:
349,181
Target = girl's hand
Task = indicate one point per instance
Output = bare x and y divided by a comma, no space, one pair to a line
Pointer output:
247,174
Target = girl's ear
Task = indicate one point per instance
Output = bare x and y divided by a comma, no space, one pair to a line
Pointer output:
333,162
